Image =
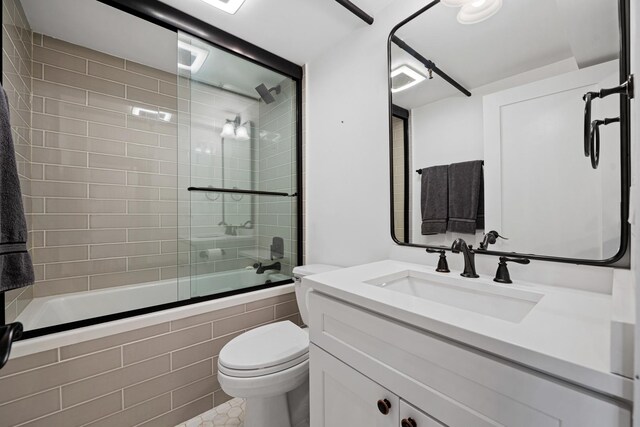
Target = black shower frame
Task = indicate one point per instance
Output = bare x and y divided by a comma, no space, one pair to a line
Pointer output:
161,14
619,259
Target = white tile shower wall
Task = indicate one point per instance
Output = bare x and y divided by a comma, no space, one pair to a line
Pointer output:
348,194
211,161
277,172
105,180
16,80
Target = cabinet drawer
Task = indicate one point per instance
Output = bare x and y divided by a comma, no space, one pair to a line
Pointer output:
420,419
456,385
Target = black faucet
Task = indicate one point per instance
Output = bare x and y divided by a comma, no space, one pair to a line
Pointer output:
502,273
260,269
460,245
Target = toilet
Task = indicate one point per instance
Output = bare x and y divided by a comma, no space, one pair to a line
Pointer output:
269,366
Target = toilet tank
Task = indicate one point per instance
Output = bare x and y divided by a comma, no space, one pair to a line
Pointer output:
302,292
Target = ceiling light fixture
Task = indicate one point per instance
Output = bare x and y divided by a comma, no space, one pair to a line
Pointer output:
478,11
229,6
196,55
405,77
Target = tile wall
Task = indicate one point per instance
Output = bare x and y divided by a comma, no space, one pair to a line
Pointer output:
277,172
398,178
16,73
104,184
157,376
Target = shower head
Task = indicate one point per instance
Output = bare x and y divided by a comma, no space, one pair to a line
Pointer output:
265,93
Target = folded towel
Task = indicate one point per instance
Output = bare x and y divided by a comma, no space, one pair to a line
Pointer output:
16,268
466,197
433,199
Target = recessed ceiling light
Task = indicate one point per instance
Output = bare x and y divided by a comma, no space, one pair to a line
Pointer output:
229,6
478,11
404,77
195,57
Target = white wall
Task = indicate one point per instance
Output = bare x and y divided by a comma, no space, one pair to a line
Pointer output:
347,158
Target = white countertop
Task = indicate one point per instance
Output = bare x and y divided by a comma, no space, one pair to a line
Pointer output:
566,335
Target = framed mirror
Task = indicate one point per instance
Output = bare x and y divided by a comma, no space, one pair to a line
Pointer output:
490,131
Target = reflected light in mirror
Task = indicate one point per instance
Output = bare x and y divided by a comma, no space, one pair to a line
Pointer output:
478,11
242,132
228,130
144,112
198,54
410,75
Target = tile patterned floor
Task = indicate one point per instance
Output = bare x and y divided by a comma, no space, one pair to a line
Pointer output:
230,414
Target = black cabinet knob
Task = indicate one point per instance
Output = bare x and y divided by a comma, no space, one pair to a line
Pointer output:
384,406
408,422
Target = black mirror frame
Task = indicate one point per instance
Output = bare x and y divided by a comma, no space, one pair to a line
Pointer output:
619,259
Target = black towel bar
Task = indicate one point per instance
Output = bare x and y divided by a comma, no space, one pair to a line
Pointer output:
419,171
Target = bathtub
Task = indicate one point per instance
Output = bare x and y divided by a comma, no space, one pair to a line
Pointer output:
58,309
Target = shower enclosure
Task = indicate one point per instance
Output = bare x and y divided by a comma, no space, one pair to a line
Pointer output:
157,169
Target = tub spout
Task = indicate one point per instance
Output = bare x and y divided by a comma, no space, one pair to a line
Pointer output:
260,269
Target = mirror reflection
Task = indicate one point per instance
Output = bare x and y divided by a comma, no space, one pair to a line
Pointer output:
490,136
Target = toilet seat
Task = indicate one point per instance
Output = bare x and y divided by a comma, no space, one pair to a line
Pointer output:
265,350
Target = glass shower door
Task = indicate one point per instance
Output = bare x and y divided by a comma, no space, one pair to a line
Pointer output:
237,182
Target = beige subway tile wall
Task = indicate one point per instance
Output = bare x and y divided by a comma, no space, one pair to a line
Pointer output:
160,375
16,78
398,178
106,178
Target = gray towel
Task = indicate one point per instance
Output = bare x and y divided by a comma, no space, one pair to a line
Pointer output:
466,197
433,199
16,268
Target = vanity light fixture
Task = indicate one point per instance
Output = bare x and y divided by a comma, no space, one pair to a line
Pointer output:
242,132
229,6
478,11
145,112
234,130
404,77
196,54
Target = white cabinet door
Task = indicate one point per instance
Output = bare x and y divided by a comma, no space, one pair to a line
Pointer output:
342,396
413,417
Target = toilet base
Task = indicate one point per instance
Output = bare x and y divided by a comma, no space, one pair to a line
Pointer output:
267,412
283,410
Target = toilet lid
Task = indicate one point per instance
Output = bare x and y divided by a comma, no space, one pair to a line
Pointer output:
265,347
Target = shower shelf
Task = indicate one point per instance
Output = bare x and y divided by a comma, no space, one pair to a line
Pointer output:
239,191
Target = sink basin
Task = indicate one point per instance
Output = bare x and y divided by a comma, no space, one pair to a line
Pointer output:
504,303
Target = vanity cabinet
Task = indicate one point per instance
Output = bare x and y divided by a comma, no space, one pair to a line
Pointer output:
358,358
345,397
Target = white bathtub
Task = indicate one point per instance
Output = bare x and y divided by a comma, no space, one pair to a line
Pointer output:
54,310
